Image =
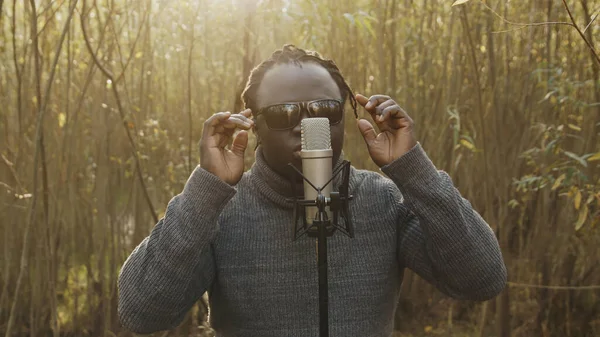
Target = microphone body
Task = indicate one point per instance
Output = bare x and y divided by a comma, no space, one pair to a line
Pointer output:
317,157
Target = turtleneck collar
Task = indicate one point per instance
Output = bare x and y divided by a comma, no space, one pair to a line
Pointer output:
278,188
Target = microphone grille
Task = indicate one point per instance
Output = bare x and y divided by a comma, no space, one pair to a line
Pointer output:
316,134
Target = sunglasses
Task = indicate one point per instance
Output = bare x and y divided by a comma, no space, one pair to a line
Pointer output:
286,116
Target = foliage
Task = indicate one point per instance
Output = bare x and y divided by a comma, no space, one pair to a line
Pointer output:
506,103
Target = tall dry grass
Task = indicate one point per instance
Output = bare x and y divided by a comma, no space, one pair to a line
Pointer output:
510,111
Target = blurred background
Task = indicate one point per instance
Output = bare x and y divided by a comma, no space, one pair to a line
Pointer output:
99,127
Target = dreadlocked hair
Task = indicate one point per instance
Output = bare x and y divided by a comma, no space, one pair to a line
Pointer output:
291,54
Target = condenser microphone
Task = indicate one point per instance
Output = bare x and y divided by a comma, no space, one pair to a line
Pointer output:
316,157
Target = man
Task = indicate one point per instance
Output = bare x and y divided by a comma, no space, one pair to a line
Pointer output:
229,231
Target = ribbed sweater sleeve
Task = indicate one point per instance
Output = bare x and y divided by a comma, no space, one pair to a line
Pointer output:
442,238
172,267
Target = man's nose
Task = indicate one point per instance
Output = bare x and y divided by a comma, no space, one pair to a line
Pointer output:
303,114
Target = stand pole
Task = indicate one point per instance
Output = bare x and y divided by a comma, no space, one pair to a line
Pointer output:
338,202
323,287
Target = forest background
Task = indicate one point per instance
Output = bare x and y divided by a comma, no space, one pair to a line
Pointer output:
102,104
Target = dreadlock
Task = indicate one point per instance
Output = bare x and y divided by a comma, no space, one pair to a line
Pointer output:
291,54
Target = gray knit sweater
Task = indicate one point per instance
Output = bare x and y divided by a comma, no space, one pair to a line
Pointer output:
236,243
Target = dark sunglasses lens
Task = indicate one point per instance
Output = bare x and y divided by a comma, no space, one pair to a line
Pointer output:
327,109
283,116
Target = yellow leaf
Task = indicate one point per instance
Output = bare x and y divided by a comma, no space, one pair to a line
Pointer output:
589,199
138,54
553,100
582,217
558,181
428,329
594,157
573,127
467,144
459,2
577,200
62,119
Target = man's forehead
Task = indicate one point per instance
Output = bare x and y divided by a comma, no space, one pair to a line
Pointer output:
292,83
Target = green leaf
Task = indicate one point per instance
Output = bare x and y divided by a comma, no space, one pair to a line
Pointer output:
576,157
459,2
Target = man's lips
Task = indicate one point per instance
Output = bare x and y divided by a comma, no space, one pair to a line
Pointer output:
297,151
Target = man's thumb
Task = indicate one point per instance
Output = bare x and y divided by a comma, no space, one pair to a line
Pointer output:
367,130
239,143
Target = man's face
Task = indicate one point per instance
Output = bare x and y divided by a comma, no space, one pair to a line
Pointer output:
287,83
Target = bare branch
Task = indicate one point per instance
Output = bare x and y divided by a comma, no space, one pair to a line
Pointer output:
40,116
11,168
533,25
52,16
591,21
523,25
121,111
580,32
132,52
88,45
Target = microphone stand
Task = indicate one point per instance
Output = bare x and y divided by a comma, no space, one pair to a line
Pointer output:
323,227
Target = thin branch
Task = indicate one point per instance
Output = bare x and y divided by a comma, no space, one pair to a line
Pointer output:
591,21
532,25
52,16
540,286
105,71
121,111
47,8
41,109
14,173
8,187
124,66
523,25
580,32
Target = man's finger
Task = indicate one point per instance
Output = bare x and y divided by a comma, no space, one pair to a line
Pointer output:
367,130
240,142
375,100
392,113
237,121
362,100
211,123
246,113
380,110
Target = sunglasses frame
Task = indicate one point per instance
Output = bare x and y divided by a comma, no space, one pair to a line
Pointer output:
303,106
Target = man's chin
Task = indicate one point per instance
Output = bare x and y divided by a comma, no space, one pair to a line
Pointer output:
296,162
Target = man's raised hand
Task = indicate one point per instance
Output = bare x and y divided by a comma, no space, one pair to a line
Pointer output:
396,129
220,153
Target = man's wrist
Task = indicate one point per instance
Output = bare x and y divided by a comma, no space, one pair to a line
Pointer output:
412,167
